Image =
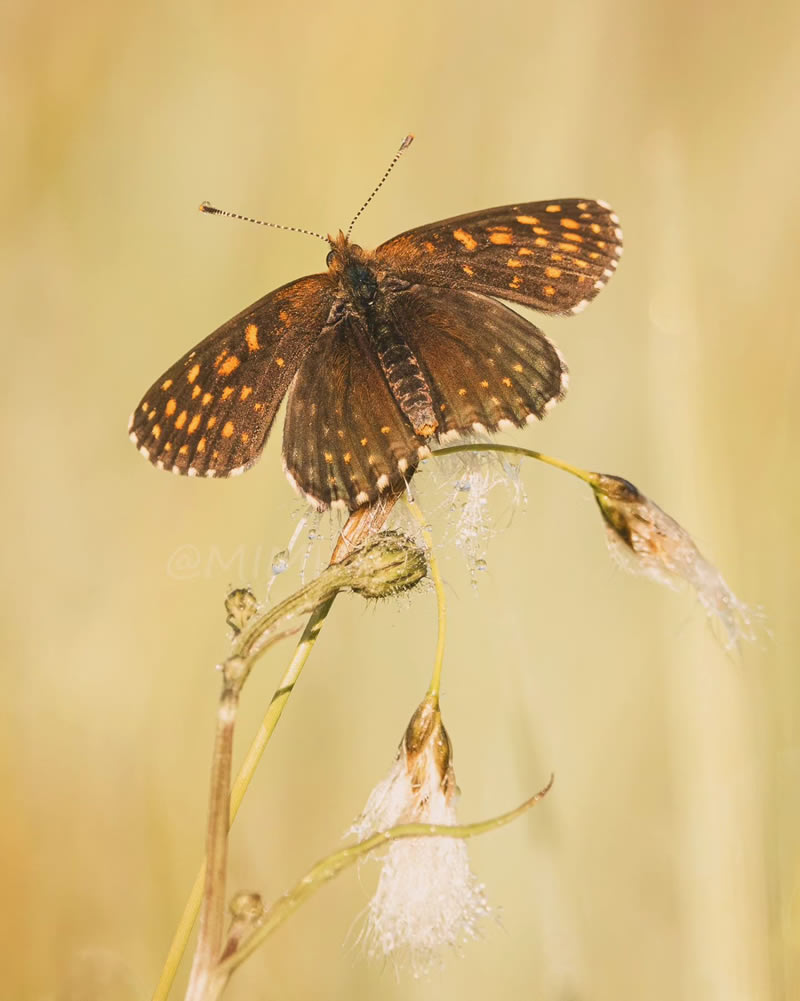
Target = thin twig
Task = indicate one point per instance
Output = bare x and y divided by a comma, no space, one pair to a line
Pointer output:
363,523
325,870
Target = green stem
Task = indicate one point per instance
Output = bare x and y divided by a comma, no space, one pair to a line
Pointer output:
324,871
528,453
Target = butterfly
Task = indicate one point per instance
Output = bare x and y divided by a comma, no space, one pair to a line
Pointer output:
387,352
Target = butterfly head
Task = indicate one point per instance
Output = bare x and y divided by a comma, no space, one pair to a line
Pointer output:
351,268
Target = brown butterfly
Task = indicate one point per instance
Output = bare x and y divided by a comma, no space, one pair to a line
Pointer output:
388,352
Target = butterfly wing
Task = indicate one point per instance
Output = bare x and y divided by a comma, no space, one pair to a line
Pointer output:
346,439
488,368
553,256
210,413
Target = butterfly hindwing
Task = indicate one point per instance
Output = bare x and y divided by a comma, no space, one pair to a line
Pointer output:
487,366
210,413
554,256
345,439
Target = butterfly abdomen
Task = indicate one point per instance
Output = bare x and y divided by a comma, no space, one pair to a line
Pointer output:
402,370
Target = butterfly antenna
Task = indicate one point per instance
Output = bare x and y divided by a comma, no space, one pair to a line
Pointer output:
403,147
207,207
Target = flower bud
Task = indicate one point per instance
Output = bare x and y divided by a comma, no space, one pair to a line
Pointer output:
427,895
648,541
385,565
241,605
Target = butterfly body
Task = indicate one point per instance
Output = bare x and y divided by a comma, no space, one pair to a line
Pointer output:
385,353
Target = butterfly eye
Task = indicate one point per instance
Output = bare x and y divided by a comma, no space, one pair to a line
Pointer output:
330,257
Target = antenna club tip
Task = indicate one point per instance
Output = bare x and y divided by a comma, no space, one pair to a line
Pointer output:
407,141
207,207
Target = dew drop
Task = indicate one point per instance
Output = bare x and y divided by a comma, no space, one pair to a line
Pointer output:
280,562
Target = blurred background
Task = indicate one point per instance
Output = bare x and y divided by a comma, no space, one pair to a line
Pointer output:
664,864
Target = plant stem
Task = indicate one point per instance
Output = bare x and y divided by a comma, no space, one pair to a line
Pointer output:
324,871
441,602
529,453
362,523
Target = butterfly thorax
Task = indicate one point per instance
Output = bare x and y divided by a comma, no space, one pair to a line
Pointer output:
365,297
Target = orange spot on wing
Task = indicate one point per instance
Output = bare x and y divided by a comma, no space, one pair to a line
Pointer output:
569,247
512,262
228,366
183,450
462,392
528,220
501,238
463,237
385,429
280,362
193,424
575,237
211,422
553,208
180,420
201,445
347,457
156,430
429,247
328,456
540,241
171,407
467,270
166,384
524,252
193,373
553,272
570,224
251,336
506,381
207,398
245,437
227,392
196,392
541,231
596,228
227,429
246,391
549,290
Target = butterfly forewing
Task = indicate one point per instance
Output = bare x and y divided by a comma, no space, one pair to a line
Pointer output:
487,366
554,256
345,439
210,413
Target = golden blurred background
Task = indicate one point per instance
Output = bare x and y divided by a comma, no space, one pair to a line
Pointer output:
664,863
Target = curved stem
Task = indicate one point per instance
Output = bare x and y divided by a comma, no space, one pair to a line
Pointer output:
529,453
361,524
324,871
441,602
